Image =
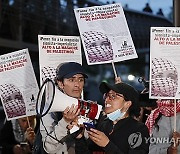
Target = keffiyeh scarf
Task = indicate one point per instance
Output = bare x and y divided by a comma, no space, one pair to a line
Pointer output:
166,108
98,46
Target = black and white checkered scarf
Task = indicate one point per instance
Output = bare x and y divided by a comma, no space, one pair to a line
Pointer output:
163,85
98,46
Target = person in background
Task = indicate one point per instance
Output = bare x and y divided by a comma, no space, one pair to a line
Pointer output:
160,122
118,80
17,136
116,132
146,104
70,79
161,127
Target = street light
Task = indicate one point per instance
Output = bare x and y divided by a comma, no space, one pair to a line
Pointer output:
131,77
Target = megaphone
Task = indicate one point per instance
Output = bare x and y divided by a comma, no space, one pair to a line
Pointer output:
51,99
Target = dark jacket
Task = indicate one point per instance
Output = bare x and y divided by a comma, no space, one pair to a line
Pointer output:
7,139
127,136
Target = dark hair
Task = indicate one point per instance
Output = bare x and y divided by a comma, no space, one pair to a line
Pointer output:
57,78
144,99
68,69
134,111
61,79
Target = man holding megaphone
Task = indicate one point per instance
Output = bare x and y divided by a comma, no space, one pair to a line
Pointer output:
69,80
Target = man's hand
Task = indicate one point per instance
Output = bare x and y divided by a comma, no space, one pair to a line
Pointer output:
98,137
19,149
176,137
71,113
118,80
173,148
75,123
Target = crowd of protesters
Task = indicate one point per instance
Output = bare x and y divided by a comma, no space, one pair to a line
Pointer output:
127,124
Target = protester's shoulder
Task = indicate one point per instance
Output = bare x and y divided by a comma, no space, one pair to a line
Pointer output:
139,125
6,131
165,120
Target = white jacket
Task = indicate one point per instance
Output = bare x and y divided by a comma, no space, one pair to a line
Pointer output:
58,131
159,141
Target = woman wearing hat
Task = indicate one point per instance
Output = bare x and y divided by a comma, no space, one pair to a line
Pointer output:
117,132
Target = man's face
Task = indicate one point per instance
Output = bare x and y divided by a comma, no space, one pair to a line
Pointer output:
113,101
73,86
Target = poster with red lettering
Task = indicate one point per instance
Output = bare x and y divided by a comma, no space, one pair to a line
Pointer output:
165,63
105,34
54,50
18,84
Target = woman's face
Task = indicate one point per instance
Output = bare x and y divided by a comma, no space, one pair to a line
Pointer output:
113,101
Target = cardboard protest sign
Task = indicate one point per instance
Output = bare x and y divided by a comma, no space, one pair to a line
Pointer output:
54,50
165,63
18,85
105,34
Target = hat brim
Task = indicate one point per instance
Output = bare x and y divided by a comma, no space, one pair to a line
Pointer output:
105,88
69,75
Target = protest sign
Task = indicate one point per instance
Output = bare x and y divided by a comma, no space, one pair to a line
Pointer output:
105,34
165,63
18,85
54,50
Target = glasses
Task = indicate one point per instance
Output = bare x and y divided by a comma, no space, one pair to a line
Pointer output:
113,96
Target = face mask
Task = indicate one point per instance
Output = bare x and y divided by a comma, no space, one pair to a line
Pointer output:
116,115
